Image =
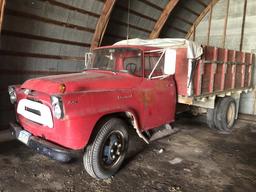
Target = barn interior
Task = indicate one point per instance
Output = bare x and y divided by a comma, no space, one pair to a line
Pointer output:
50,37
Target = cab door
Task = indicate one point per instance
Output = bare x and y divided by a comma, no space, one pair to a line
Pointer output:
158,93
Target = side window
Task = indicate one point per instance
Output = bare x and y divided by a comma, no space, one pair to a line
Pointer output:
150,62
133,65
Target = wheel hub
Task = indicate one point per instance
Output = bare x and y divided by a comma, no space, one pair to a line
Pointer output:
231,114
112,150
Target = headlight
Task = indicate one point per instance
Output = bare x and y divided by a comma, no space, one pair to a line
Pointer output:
12,93
57,107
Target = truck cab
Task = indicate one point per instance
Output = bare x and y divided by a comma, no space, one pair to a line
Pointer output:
122,87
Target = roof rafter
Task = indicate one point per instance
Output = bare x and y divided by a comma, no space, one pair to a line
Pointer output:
102,23
162,19
2,5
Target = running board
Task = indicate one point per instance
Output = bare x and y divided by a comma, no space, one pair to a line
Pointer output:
164,131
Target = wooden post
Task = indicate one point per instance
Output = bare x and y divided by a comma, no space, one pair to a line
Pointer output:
2,5
102,23
225,25
242,29
209,26
162,19
201,16
194,33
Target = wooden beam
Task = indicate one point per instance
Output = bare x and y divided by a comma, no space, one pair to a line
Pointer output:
209,26
162,19
242,28
194,33
102,23
225,25
201,16
2,6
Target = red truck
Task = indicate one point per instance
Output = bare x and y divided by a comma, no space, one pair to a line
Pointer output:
131,84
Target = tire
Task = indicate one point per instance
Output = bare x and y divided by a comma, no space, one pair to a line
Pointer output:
105,155
211,118
226,114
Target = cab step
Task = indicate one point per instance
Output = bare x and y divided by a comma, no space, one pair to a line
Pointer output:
162,131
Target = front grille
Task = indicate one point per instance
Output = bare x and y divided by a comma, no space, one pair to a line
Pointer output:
37,112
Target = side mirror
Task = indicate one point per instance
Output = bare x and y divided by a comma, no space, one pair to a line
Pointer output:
88,59
170,61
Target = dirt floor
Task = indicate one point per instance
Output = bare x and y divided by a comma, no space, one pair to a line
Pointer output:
193,160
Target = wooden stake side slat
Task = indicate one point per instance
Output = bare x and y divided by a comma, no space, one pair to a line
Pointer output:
213,70
224,70
200,71
243,70
233,70
252,57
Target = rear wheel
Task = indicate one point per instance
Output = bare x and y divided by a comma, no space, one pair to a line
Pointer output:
211,118
104,156
226,114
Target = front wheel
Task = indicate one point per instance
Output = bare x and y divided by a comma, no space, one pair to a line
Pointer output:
105,155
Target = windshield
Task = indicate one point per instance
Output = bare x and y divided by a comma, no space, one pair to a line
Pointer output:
116,60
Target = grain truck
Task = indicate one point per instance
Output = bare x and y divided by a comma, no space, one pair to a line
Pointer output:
133,84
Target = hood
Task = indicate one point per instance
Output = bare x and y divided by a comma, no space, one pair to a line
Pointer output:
84,81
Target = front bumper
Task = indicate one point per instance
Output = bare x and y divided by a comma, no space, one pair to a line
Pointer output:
45,147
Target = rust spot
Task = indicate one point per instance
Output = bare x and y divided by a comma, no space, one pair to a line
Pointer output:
146,97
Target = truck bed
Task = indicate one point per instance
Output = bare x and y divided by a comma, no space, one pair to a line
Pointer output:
218,71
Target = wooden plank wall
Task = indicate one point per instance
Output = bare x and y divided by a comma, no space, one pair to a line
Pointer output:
43,37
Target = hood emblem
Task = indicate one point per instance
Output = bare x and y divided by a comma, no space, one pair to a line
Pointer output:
27,91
